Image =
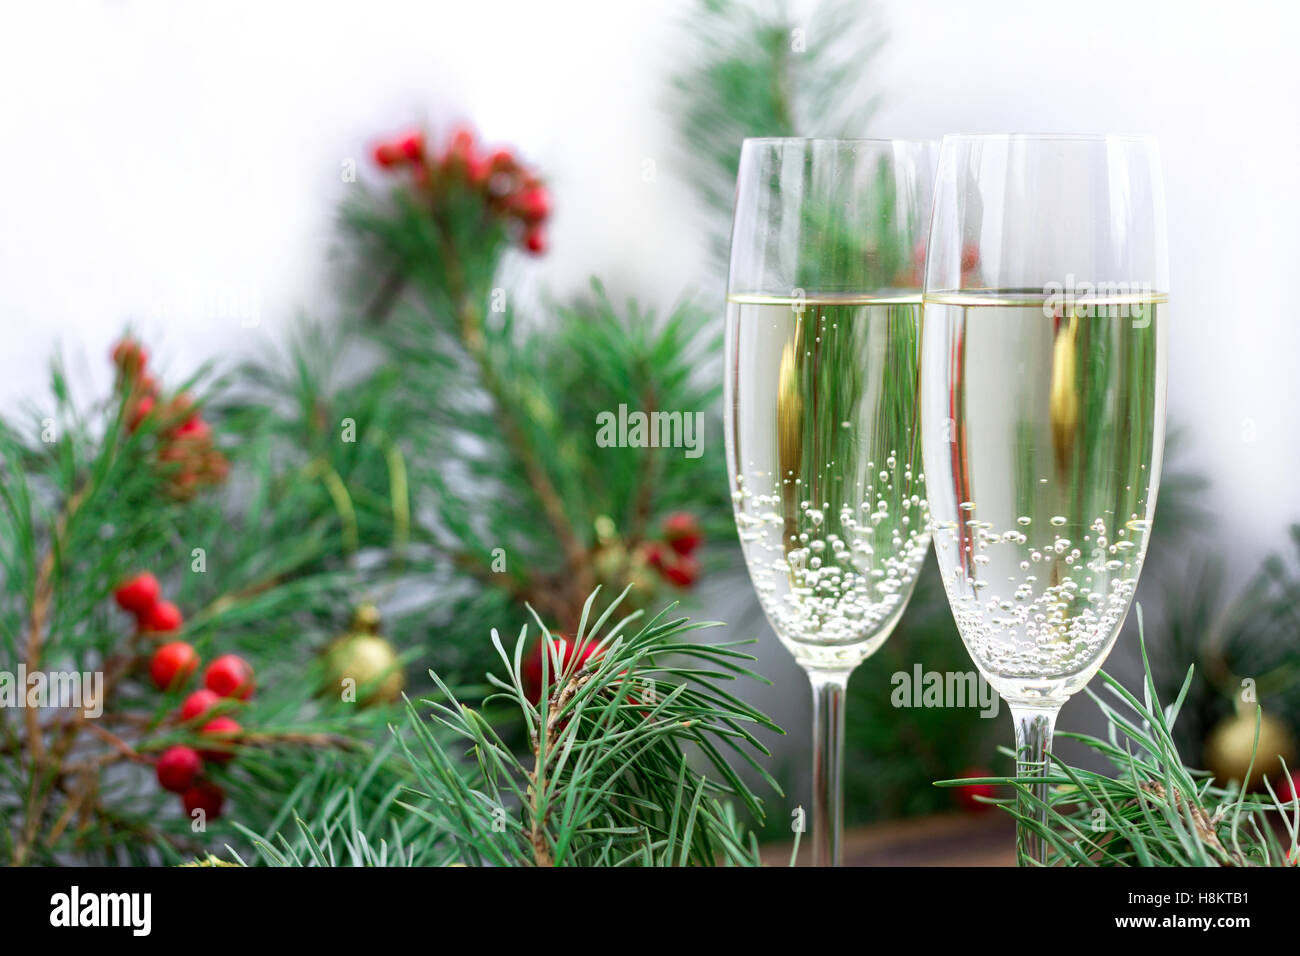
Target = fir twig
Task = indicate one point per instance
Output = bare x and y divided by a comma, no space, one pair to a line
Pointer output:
606,779
1155,811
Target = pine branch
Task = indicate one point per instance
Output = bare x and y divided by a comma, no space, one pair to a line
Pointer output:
73,787
605,780
507,416
492,445
1156,811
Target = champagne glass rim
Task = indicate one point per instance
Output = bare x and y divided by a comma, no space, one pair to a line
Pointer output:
1054,137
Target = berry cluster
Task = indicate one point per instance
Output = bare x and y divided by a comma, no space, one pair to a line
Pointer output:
229,677
186,448
141,596
673,557
512,194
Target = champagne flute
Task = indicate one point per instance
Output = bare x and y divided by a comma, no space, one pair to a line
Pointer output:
1043,376
822,394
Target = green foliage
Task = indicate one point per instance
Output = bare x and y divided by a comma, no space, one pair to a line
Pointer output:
494,416
256,571
1155,811
438,458
600,359
606,779
758,70
356,819
449,248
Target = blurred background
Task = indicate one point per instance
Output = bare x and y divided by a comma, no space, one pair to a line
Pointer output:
180,168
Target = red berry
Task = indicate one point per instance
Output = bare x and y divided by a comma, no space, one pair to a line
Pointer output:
533,205
197,704
204,796
226,728
412,146
461,146
140,410
177,768
682,531
193,428
532,670
388,155
502,161
535,240
138,594
161,617
229,676
682,572
967,793
178,410
479,171
130,357
970,257
172,665
654,554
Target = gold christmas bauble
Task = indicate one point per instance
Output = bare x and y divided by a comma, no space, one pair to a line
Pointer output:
1230,745
366,659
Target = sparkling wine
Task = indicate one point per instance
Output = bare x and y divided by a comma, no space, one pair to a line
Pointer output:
827,486
1043,475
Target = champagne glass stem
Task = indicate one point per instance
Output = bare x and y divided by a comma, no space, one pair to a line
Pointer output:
1034,726
828,765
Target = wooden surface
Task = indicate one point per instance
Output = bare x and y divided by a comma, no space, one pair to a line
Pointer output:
985,839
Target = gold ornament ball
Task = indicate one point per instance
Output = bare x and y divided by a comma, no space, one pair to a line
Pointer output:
371,662
1230,745
367,659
